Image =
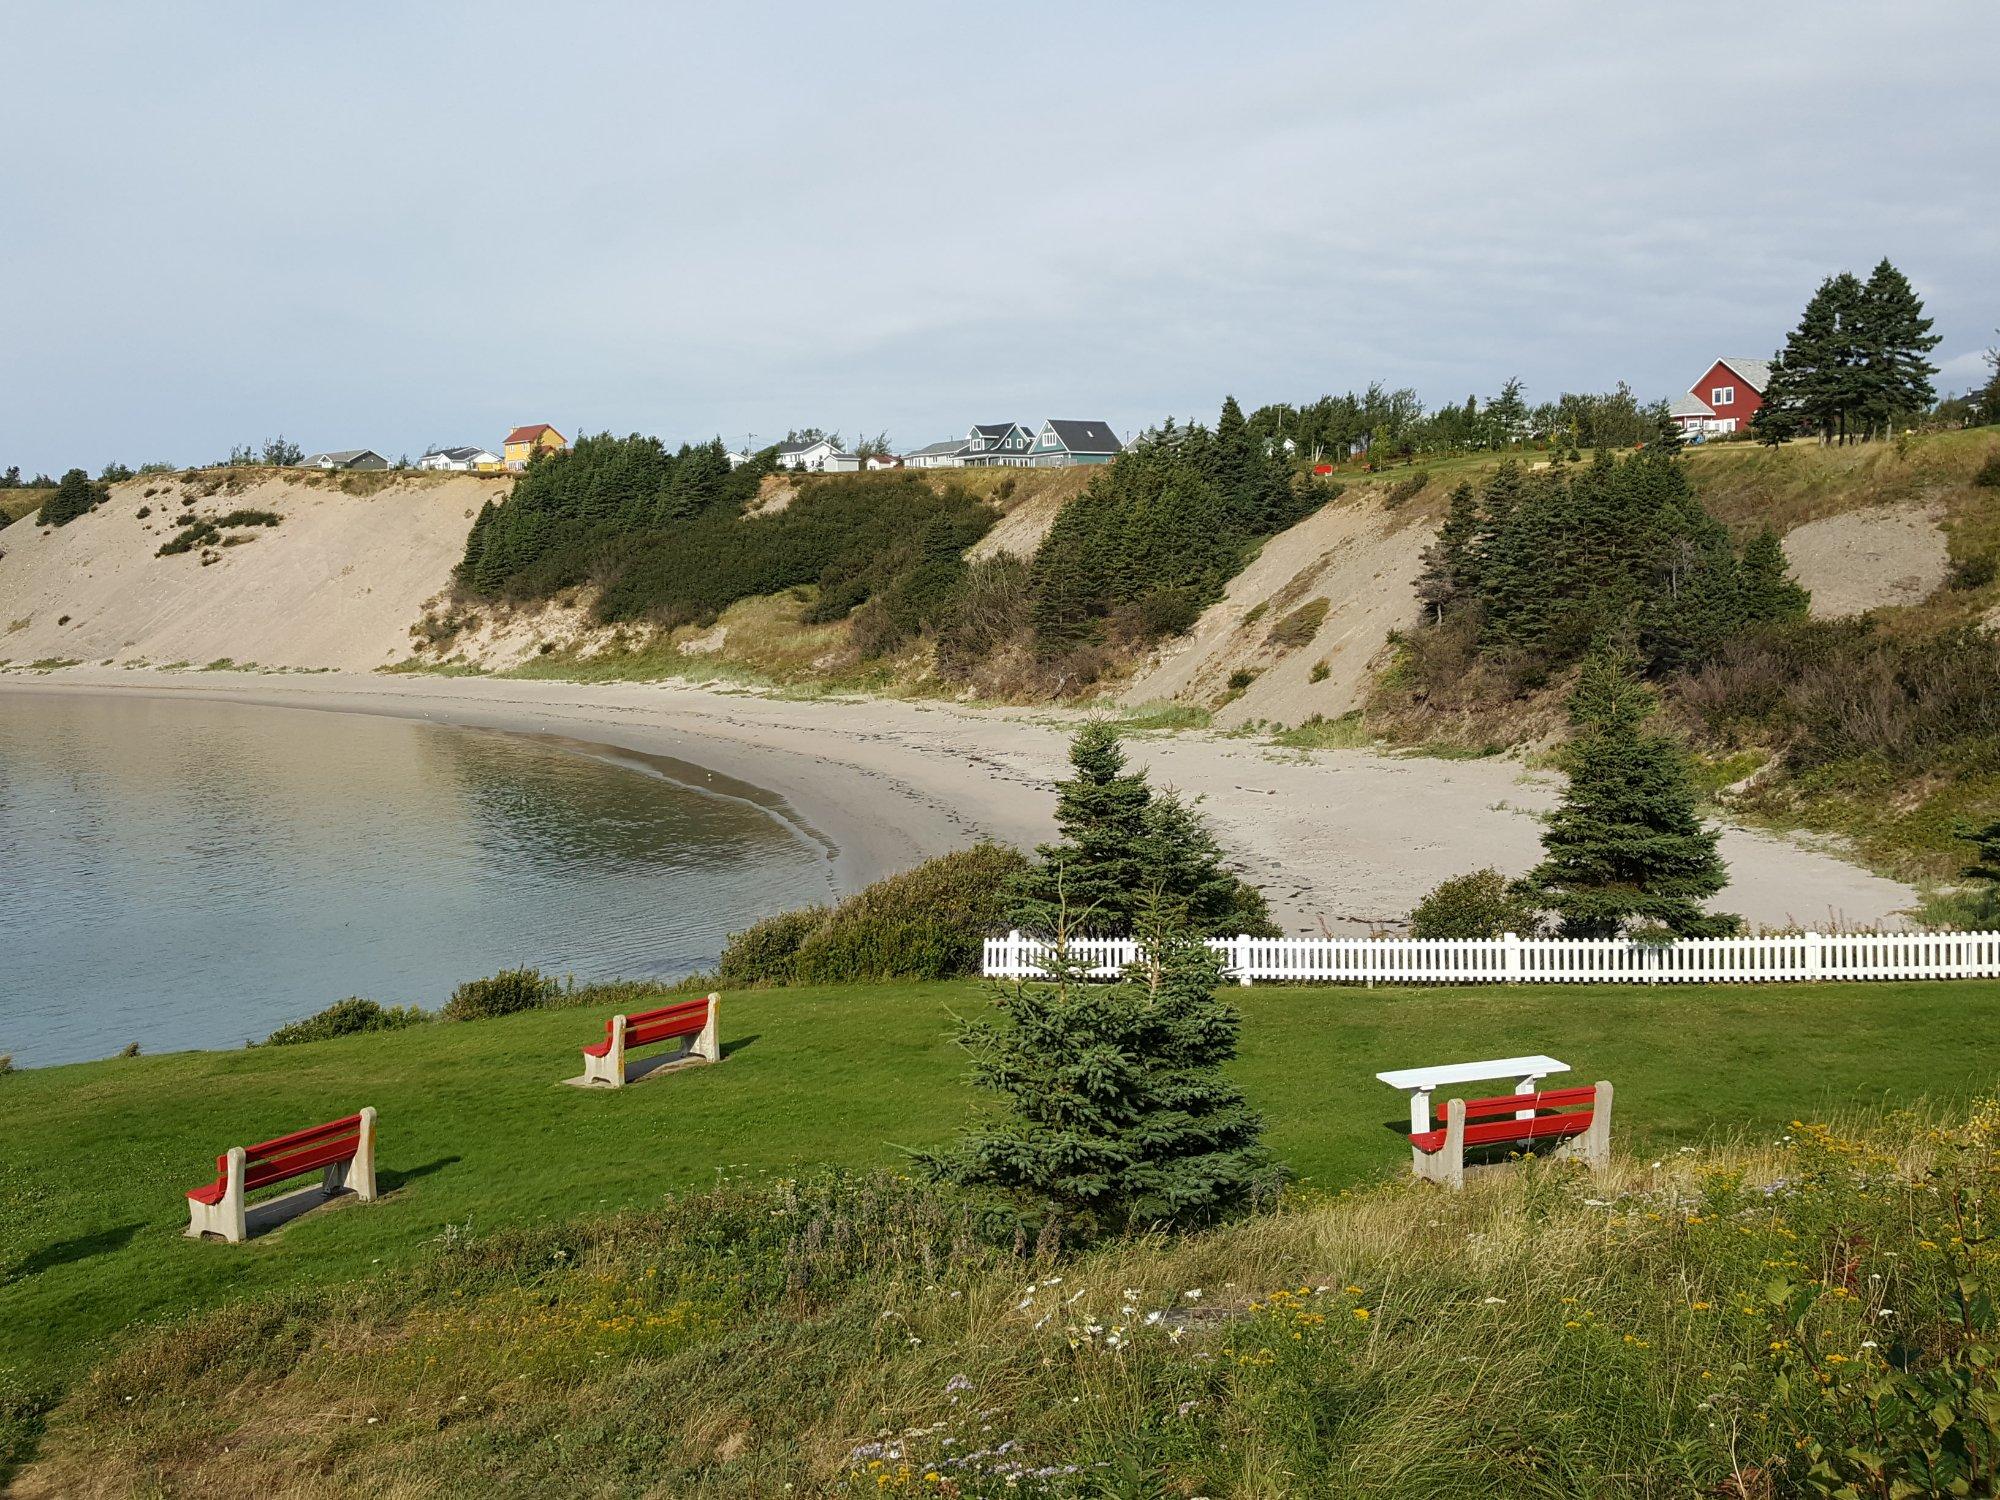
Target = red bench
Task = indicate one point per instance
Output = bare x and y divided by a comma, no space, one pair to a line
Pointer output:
342,1151
1580,1118
690,1021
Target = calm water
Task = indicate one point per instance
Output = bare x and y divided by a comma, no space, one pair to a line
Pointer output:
182,874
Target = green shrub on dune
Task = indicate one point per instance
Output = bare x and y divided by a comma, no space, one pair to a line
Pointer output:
926,923
345,1018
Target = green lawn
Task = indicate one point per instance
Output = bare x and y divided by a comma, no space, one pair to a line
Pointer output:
475,1130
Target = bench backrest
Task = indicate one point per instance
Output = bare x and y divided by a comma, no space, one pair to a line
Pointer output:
646,1026
1511,1104
300,1152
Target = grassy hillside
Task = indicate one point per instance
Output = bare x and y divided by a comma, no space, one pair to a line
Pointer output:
15,504
653,1290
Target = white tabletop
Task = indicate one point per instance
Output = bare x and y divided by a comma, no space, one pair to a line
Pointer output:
1422,1080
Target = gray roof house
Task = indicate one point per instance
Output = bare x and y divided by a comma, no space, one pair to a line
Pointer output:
949,454
345,458
1064,444
998,445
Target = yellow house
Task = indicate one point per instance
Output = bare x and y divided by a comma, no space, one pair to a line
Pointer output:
523,443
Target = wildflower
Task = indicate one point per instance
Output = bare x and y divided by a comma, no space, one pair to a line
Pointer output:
1701,1306
1572,1323
1352,1291
1361,1315
1193,1295
957,1383
1493,1302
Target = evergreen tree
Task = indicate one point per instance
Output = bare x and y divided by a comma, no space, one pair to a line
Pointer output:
1765,586
1119,1116
1778,419
1895,337
1121,845
1626,847
1093,876
1184,864
1985,843
75,495
1451,561
1507,412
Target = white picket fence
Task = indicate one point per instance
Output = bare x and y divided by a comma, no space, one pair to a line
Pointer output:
1515,960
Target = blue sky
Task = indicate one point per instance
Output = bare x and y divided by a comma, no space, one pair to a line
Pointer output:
391,225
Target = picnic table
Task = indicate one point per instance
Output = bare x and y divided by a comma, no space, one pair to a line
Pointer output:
1528,1073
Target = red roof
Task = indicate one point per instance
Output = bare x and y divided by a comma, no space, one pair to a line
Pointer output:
530,434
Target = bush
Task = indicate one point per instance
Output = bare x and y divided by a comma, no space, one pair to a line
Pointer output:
1407,488
345,1018
926,923
1479,905
765,952
1300,626
505,993
1988,477
1973,572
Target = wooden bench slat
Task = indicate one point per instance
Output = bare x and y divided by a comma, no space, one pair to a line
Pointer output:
351,1125
1542,1127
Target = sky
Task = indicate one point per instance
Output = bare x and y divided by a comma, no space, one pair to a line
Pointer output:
396,226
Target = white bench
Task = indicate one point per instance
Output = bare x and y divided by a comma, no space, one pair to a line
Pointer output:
1418,1083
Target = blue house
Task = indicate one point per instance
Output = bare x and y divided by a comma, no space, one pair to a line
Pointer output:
1062,444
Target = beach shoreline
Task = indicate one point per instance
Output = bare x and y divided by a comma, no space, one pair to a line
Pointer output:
1342,841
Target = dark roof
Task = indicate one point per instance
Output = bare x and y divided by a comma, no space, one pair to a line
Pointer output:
458,455
949,445
801,447
1086,437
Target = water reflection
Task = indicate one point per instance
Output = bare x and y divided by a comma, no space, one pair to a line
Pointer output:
192,874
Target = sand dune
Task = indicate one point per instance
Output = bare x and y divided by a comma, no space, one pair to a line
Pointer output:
337,583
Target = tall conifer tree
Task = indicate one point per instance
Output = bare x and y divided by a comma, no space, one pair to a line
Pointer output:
1626,847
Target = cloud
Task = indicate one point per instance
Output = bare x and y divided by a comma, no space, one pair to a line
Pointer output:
388,225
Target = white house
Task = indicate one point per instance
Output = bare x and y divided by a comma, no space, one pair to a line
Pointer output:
813,456
1063,444
738,460
949,454
459,460
998,445
884,461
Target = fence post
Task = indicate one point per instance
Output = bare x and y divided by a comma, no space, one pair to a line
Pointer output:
1510,954
1242,957
1014,959
1815,956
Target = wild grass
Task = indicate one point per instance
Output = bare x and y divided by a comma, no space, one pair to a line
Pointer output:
1781,1312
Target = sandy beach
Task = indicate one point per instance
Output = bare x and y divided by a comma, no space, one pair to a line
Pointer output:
1343,841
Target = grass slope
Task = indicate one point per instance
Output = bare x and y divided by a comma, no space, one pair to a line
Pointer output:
477,1134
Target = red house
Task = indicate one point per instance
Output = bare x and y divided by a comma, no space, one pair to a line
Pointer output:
1725,399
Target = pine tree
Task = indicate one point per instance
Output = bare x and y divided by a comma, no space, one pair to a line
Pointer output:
1986,852
1626,847
1184,864
1096,873
1767,591
1450,562
1896,337
1119,1115
1507,412
1122,846
75,495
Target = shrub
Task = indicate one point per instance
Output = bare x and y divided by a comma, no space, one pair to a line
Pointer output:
1406,488
1479,905
1973,572
1988,477
345,1018
1300,626
194,534
765,952
1241,679
926,923
503,994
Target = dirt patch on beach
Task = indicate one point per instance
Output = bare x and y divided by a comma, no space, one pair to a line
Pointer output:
1866,559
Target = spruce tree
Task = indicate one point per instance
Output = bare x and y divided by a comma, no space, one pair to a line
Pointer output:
1626,847
1767,592
1450,563
1118,1114
75,495
1896,337
1123,846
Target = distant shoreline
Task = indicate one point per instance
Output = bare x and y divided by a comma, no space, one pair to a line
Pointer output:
1343,841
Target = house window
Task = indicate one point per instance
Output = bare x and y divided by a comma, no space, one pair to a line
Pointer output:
1722,395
